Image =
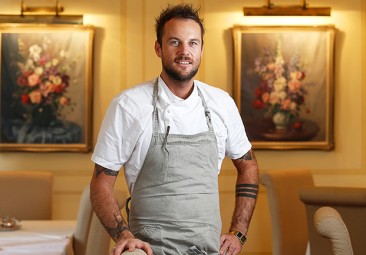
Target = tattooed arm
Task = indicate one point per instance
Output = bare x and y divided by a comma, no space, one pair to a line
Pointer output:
245,199
106,208
245,192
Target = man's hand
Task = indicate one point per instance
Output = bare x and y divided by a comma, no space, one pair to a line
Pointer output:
229,245
131,244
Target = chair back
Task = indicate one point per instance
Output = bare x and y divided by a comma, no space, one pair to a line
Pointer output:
349,202
329,224
288,214
26,195
90,237
83,220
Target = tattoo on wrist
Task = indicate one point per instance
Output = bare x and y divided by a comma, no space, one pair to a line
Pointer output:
99,169
246,190
116,231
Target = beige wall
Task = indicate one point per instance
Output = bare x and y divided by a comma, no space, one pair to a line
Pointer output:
124,55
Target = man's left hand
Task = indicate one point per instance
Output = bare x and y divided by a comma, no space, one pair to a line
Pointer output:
229,245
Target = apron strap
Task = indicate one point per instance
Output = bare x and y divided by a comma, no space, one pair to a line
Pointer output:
155,112
207,111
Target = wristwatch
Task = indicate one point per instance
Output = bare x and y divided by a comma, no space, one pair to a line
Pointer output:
239,235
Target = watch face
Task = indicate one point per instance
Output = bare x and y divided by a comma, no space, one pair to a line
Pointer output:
240,236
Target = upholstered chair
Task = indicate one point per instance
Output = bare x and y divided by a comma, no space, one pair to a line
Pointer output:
26,195
136,252
288,215
329,224
349,202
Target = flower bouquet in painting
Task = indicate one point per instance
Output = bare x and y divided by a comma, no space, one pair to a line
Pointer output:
281,92
42,81
280,96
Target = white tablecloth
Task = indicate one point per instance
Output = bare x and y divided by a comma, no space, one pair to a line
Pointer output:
52,237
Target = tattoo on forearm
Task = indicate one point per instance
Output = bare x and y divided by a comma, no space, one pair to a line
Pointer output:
247,156
246,190
99,169
116,231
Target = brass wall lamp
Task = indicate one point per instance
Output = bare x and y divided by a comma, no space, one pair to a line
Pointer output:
41,14
298,10
57,9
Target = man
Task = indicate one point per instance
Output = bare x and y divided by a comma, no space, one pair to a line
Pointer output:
171,135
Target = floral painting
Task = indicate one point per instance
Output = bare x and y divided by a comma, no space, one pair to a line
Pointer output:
45,88
284,85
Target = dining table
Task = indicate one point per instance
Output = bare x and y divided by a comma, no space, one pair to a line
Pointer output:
38,237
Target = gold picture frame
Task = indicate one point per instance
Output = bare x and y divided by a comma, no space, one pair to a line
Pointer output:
46,87
283,85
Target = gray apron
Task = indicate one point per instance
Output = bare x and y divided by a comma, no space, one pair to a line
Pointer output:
175,202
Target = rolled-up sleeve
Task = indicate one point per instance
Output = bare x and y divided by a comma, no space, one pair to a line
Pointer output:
117,136
237,143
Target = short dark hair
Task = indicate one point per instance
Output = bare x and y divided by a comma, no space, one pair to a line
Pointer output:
181,11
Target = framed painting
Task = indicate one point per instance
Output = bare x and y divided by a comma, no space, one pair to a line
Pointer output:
45,87
283,85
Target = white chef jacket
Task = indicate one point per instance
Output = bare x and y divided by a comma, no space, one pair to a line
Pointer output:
125,134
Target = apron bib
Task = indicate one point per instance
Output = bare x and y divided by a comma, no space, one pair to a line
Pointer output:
175,201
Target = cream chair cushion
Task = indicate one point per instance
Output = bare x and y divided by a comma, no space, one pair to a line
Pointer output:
329,224
135,252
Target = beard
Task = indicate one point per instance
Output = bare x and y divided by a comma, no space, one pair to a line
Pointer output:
175,75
